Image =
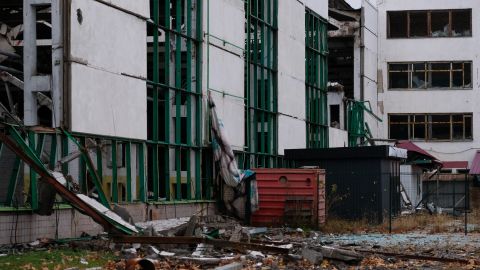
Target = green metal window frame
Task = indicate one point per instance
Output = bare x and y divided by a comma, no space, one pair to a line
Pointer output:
316,68
261,83
174,86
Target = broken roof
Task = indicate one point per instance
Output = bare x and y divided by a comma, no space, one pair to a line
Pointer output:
415,152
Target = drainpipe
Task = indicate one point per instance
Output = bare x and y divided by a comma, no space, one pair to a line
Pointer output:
362,54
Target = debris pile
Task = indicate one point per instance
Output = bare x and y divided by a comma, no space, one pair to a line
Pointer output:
218,242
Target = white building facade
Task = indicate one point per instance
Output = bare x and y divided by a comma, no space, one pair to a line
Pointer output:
428,66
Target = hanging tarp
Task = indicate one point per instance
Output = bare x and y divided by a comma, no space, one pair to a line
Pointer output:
222,152
229,172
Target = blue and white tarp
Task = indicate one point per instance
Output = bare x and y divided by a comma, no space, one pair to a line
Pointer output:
224,156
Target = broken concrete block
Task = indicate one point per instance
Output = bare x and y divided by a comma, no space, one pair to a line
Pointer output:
312,256
257,230
255,254
341,254
191,225
231,266
236,234
129,253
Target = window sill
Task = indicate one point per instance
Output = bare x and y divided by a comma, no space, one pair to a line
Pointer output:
441,141
396,38
429,89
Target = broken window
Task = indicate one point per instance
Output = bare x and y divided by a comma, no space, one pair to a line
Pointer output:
419,75
398,75
316,80
418,24
461,23
430,127
397,24
260,86
424,23
452,75
440,25
174,100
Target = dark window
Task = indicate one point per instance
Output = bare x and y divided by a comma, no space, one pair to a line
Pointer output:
439,23
467,75
418,24
433,23
398,75
418,75
398,24
461,23
335,116
419,127
457,75
434,127
399,127
439,127
457,127
468,127
440,75
452,75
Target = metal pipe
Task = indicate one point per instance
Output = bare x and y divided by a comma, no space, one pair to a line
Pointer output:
11,70
11,55
29,62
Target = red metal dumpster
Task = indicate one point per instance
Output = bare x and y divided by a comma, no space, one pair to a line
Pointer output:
292,197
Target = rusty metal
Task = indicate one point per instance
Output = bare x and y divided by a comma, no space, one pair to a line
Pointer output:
143,263
62,190
415,256
183,240
289,196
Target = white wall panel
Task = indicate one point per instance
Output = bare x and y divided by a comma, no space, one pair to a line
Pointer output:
227,20
232,112
108,38
291,133
108,104
224,71
370,62
291,60
337,137
291,96
105,46
139,7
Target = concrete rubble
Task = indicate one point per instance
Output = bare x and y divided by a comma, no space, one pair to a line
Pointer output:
218,242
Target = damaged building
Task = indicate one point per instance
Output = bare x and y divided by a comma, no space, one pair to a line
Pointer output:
111,96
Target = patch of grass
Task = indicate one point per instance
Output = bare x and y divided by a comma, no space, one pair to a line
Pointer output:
431,223
55,259
403,224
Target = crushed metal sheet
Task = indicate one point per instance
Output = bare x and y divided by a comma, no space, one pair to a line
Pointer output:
106,212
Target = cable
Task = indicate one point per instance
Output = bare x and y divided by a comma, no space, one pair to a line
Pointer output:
451,153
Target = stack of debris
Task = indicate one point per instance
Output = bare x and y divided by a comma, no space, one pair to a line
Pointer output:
221,242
